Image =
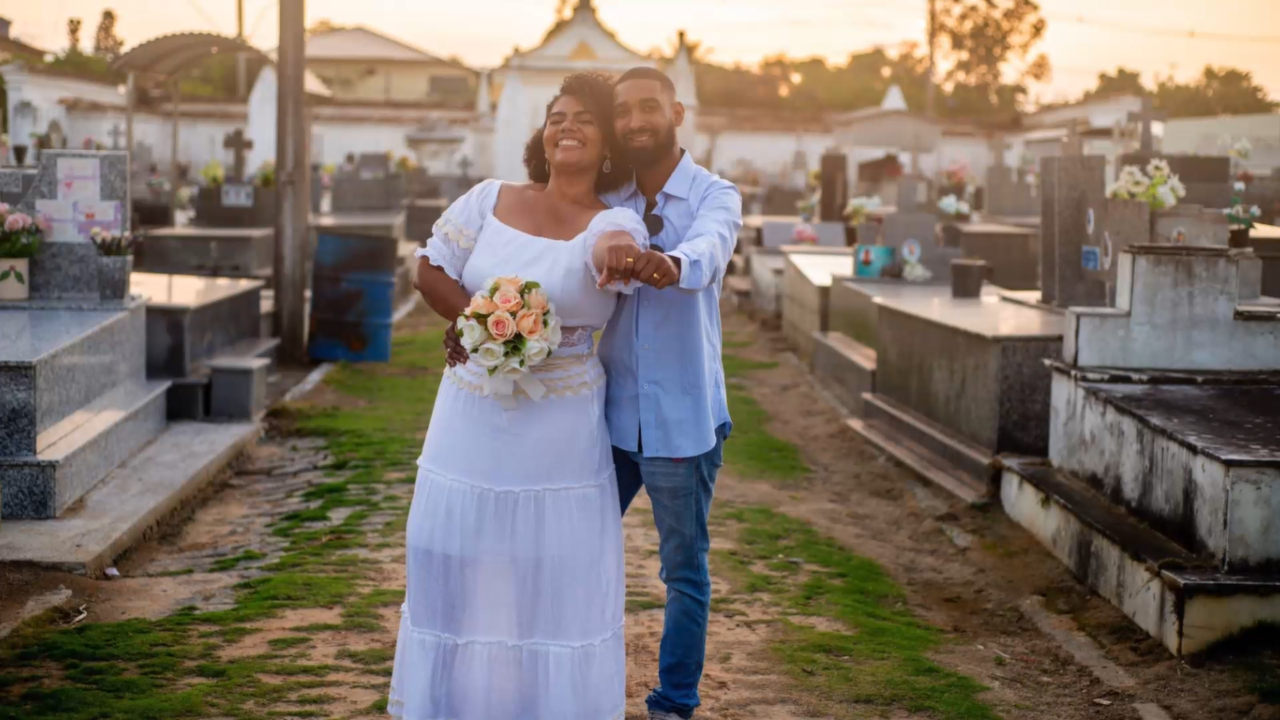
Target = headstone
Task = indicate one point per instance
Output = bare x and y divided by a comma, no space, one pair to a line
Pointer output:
237,143
835,187
777,234
1073,202
1012,253
1145,117
1007,193
913,233
1191,225
75,191
116,134
369,185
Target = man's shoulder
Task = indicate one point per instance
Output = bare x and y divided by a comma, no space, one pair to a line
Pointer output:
707,184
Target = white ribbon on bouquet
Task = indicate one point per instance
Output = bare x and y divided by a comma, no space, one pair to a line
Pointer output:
502,387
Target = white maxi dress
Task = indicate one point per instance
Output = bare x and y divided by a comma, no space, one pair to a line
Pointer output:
516,589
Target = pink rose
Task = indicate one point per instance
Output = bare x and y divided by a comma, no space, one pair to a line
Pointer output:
481,305
4,208
13,223
537,301
508,282
502,326
508,300
529,323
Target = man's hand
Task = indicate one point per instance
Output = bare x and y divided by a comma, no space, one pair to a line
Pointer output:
455,354
657,269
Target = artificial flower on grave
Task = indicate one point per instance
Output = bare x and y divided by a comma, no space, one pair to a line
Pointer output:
20,234
405,163
803,234
807,206
1245,177
1240,217
858,209
183,199
112,244
954,207
326,174
266,175
1241,150
213,173
815,178
1158,187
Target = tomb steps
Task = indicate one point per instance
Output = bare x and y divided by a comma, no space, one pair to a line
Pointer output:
844,367
1182,599
954,464
131,500
73,455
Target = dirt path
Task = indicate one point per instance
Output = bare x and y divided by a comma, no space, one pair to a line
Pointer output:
843,588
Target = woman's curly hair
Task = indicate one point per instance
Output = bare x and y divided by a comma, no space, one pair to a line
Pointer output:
595,92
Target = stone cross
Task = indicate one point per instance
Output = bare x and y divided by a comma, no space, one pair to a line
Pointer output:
237,143
1146,116
116,135
998,147
1073,144
464,165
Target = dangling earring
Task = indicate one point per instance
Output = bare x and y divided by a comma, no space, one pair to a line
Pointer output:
608,165
548,164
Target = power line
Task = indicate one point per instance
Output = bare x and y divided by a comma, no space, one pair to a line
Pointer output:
213,24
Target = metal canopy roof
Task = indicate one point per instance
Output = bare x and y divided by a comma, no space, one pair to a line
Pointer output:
169,55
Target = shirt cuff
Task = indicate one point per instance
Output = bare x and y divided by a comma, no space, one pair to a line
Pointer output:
683,283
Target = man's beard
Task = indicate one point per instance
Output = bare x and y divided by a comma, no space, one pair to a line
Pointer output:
664,144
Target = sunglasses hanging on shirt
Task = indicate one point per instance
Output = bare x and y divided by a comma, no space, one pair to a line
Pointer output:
654,224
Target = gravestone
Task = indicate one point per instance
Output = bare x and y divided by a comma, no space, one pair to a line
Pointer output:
835,187
1012,253
1073,204
1007,194
369,185
116,134
1144,118
913,233
237,202
75,191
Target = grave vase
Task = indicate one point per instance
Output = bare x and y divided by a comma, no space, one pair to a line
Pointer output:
15,279
1239,238
20,155
850,235
951,234
113,276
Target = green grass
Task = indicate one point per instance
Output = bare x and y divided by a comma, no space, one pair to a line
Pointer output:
882,661
752,451
171,668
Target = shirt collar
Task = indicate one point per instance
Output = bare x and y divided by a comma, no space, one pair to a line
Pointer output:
680,184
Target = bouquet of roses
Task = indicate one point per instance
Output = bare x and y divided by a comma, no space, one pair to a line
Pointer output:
509,328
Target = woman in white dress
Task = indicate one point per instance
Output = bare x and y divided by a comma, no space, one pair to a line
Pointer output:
514,607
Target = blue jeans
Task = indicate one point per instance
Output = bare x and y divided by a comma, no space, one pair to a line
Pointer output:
680,491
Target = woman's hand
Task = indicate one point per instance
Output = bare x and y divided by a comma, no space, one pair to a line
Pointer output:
614,257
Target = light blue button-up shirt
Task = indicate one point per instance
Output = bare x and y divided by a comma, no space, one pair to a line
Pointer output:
661,350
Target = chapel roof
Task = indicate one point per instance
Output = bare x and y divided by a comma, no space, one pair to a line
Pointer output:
362,44
584,16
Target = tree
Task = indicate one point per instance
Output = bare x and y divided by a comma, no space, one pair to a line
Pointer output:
1218,91
986,48
1123,81
322,26
106,44
73,36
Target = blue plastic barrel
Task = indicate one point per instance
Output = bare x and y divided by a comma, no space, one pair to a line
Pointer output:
352,297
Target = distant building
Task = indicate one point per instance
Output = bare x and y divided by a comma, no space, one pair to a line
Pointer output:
362,66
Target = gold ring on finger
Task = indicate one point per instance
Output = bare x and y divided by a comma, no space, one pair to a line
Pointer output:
655,276
631,260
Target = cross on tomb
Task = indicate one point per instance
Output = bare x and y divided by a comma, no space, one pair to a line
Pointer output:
464,165
1073,144
116,134
998,148
237,143
1146,116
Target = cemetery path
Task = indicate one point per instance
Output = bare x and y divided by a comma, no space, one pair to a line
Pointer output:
843,588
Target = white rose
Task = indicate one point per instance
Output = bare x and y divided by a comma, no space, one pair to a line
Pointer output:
553,333
471,333
1158,168
1255,211
511,366
489,355
1166,197
963,207
1238,186
1179,190
535,351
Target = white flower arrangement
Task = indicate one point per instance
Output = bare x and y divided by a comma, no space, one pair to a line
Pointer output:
1241,150
509,328
857,209
953,206
1158,187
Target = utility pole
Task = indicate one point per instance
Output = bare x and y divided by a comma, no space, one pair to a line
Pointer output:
293,199
933,42
241,59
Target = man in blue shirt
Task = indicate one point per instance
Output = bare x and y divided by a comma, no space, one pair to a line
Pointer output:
666,406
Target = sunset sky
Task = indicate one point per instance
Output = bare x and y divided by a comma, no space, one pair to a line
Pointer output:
1084,36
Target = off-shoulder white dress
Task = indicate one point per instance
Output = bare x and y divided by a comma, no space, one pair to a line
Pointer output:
514,606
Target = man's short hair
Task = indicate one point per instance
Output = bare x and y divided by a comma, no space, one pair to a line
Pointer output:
648,73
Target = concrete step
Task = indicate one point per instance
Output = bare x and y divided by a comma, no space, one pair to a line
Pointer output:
844,367
972,461
75,454
1179,598
1195,458
132,499
55,362
928,465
